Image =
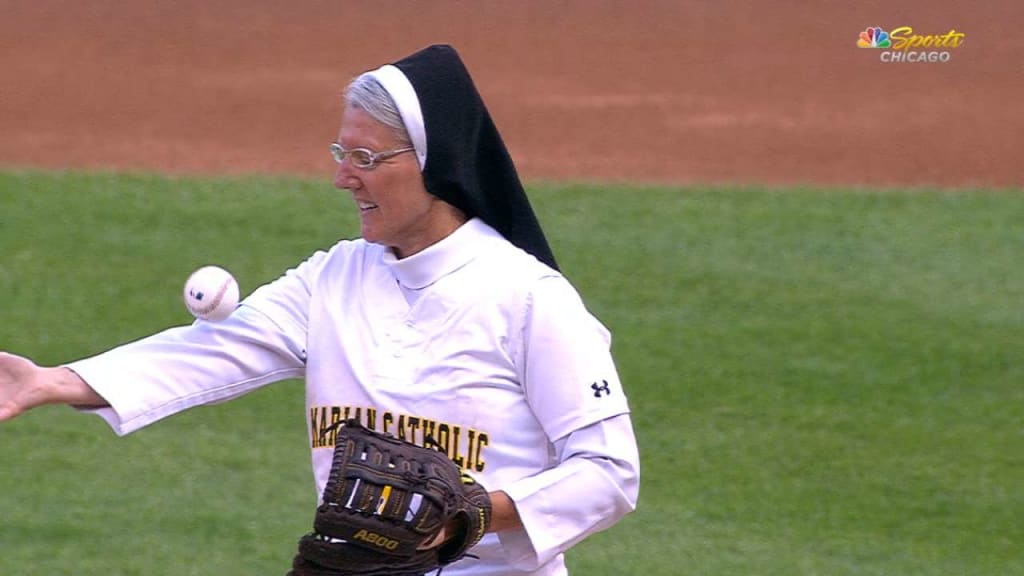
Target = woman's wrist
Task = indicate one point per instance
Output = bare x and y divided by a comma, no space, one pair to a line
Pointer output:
504,515
65,386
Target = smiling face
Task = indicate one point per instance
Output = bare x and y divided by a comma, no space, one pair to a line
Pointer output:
395,208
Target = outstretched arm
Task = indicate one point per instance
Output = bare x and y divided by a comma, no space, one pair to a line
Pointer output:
25,385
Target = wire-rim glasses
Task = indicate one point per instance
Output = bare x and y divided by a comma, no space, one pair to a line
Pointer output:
363,158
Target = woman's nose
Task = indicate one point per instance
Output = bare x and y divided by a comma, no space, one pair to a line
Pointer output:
343,177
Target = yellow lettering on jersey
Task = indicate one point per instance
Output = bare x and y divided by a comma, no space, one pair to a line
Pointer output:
464,446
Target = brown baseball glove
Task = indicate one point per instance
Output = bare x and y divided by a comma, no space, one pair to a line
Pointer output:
385,499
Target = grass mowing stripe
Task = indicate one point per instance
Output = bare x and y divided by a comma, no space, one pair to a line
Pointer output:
822,382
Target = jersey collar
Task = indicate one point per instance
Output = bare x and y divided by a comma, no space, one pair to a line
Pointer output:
441,259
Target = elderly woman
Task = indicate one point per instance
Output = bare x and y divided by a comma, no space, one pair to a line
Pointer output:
447,319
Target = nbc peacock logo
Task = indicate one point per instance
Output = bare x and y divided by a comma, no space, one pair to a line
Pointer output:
874,37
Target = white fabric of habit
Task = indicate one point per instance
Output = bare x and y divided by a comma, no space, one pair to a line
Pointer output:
472,332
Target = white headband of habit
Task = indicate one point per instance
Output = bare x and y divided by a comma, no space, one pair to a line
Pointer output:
404,95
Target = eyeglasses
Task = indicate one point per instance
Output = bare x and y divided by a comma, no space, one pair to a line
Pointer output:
361,157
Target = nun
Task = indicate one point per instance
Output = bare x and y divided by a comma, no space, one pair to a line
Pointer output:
523,361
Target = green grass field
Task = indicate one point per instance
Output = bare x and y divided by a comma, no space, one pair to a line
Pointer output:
823,382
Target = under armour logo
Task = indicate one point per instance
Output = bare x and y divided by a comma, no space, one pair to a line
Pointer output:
600,389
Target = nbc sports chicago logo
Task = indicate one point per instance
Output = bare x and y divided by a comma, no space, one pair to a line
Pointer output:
903,45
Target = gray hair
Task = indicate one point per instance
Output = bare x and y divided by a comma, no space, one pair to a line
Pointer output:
367,94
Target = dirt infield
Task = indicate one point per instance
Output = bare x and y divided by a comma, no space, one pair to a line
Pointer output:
649,91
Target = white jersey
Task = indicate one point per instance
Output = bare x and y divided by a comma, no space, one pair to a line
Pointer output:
471,341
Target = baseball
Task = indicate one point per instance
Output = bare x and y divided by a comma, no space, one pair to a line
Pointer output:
211,293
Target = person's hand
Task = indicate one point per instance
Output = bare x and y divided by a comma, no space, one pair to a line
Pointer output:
20,385
24,385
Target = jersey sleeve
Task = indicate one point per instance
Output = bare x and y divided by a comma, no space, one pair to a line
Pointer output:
263,341
566,365
573,389
595,484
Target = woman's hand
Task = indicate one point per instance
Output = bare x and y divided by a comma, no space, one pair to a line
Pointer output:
24,385
19,382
